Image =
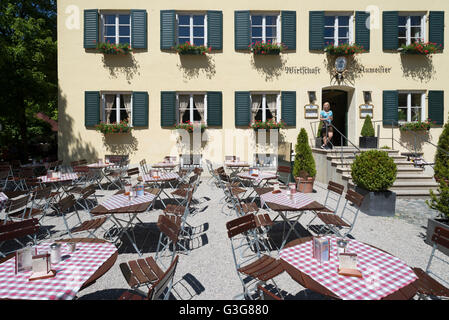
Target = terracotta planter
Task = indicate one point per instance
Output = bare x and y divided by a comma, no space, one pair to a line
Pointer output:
305,186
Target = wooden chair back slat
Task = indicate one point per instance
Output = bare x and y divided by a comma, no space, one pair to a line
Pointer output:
66,203
441,237
42,193
12,226
15,204
284,169
81,169
133,171
240,225
169,228
354,197
157,289
82,162
335,187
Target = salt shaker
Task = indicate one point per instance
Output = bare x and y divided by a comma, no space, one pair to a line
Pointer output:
55,253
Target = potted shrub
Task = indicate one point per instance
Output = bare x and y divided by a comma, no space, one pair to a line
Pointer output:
187,48
115,128
266,48
368,139
304,169
440,201
373,173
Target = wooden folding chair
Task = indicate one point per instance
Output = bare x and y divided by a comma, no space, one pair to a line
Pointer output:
265,294
341,225
249,261
281,172
143,166
427,285
16,231
161,287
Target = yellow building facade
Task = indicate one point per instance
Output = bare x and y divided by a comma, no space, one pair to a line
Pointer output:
155,87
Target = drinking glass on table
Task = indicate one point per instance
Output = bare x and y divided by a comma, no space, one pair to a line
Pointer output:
127,189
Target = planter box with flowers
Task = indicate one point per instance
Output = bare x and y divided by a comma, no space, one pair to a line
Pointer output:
266,48
343,49
421,48
105,128
190,127
416,126
114,49
190,49
267,125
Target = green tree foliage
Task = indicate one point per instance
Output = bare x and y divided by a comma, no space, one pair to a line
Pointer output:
374,170
303,158
367,129
440,201
28,65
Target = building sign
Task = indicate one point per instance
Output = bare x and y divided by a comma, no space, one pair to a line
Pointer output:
378,69
302,70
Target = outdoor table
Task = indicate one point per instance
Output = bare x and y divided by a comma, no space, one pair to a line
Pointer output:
282,204
166,166
167,177
91,259
236,167
61,182
123,212
384,276
256,181
99,170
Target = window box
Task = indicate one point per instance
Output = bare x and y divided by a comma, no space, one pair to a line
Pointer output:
189,49
190,127
416,126
114,49
115,128
344,49
420,48
266,48
267,125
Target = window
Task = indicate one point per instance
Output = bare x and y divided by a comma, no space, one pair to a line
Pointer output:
411,29
338,29
265,28
265,106
116,107
411,107
116,28
192,28
192,107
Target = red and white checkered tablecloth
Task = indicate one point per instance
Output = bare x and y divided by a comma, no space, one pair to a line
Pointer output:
297,201
260,177
162,177
383,274
71,273
3,199
120,201
64,177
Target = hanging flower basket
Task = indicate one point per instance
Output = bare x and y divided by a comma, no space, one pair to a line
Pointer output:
421,48
416,126
190,127
190,49
105,128
344,49
266,48
267,125
114,49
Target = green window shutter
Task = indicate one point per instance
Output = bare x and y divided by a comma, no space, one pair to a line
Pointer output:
436,107
362,32
140,109
316,30
390,30
288,108
242,108
215,30
91,34
288,29
390,107
139,33
242,29
436,27
168,108
91,108
168,29
214,109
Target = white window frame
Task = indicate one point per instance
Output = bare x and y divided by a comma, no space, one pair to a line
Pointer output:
191,25
336,37
117,102
264,25
409,104
408,26
264,103
117,25
191,94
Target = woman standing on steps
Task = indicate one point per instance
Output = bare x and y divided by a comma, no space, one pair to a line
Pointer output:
327,132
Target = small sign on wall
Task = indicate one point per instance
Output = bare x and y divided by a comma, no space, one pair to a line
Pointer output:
366,110
311,111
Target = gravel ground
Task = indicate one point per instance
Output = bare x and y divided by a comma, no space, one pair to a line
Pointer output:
208,272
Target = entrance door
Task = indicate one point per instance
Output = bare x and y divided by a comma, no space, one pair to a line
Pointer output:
338,100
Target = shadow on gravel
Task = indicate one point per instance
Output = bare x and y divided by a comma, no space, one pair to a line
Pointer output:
187,288
280,230
305,294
